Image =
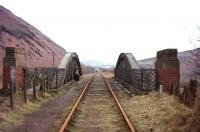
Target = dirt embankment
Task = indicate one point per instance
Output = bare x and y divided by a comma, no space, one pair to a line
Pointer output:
15,32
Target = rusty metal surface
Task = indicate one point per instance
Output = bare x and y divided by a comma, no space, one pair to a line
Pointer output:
71,113
127,120
66,123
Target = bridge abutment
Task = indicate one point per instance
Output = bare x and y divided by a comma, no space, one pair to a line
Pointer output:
168,67
13,68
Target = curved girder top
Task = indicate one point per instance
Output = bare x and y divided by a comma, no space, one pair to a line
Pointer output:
70,62
127,71
123,71
130,60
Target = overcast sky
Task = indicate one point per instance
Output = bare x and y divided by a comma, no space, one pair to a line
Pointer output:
102,29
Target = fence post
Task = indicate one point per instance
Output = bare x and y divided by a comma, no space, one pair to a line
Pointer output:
34,84
192,95
157,84
142,79
185,95
11,85
56,78
161,90
42,81
45,83
25,84
11,96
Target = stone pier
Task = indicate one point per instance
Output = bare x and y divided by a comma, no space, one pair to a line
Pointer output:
13,67
168,67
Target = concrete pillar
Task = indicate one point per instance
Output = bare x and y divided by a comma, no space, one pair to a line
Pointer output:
168,67
13,64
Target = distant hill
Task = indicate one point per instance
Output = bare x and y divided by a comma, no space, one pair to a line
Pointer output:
93,63
86,69
15,32
186,66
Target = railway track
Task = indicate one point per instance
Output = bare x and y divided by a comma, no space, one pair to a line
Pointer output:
97,109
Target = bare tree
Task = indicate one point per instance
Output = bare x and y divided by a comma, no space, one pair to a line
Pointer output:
195,54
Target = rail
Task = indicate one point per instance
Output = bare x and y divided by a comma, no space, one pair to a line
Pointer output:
66,123
127,120
71,113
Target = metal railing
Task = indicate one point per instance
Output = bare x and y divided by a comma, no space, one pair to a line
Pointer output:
144,79
140,79
44,77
